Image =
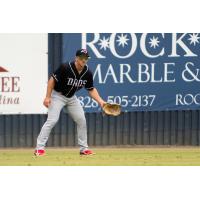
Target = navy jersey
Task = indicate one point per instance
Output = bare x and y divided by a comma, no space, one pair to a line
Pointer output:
68,80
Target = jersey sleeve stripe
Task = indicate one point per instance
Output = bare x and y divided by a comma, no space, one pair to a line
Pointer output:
54,76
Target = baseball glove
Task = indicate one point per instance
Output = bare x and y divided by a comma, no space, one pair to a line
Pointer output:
113,109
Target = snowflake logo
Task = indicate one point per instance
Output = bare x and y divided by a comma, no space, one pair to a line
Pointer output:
122,40
154,42
104,43
194,38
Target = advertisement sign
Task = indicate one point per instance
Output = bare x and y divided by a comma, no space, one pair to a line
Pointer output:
23,73
142,71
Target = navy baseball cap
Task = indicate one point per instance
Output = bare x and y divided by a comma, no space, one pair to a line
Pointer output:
82,52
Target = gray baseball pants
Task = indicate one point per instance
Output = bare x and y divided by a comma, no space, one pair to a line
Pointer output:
74,109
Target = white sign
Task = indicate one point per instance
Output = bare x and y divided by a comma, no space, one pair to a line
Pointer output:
23,73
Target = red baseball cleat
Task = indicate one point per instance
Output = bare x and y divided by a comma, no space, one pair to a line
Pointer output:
39,152
86,152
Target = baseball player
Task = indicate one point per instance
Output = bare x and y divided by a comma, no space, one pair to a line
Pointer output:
62,86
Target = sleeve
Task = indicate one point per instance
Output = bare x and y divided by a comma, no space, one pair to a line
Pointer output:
58,73
89,85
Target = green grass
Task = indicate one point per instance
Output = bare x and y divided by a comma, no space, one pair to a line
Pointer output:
134,156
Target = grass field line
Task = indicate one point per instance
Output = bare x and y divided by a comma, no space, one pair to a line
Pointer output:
105,156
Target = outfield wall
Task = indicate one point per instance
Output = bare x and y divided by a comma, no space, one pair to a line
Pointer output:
130,128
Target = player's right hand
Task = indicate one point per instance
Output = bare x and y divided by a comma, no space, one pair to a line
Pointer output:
47,102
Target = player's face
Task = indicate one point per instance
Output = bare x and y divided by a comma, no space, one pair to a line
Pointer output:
82,61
